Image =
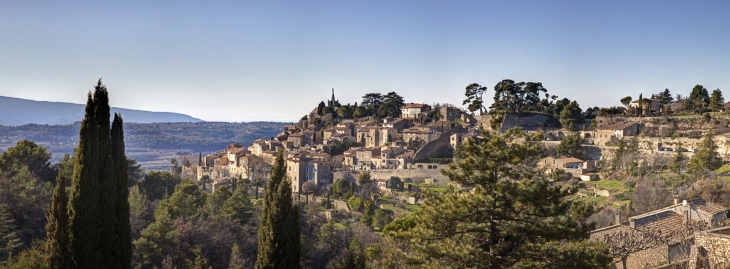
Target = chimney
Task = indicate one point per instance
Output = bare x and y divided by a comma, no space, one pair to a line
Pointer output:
617,218
686,215
676,199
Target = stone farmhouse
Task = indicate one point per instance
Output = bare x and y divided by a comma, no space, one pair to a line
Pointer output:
611,133
673,221
414,111
654,106
576,167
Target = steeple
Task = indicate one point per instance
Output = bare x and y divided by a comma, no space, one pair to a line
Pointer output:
333,96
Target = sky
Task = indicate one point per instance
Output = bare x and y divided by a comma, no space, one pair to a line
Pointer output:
276,60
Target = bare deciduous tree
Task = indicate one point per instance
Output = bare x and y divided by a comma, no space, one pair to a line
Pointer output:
650,194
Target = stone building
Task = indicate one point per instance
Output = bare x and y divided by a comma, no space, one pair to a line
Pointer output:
301,169
413,110
674,221
574,166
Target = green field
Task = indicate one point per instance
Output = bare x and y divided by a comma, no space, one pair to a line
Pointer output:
611,185
430,187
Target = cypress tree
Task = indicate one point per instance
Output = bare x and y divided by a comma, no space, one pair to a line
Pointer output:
99,213
279,232
123,236
58,245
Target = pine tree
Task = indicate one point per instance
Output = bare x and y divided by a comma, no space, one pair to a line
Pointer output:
236,261
238,207
706,159
279,232
355,257
99,213
58,247
200,262
9,240
716,100
513,218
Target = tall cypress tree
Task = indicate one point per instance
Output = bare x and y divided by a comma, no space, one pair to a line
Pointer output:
58,251
123,236
99,213
279,232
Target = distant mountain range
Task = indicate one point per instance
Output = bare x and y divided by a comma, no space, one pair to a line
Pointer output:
16,111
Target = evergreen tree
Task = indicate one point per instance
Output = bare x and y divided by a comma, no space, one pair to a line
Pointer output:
200,262
238,207
9,240
513,218
236,261
99,213
58,247
279,232
571,116
716,101
706,159
678,161
122,240
355,257
570,146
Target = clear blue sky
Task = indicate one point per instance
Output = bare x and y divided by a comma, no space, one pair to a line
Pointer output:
275,60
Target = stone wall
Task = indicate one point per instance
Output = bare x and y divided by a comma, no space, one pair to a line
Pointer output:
529,122
437,148
337,204
402,173
712,250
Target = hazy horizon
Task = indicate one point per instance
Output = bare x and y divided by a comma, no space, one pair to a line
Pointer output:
250,61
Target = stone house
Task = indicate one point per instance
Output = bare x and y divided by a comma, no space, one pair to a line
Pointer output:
414,133
375,136
412,110
450,113
655,106
608,133
672,220
359,158
711,249
301,169
397,124
457,139
389,158
574,166
301,139
442,126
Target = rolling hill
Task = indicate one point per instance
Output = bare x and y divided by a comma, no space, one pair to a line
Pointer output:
16,111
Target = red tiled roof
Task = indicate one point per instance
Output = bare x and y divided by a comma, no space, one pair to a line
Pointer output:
415,105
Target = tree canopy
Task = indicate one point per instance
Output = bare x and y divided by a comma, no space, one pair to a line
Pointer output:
512,219
570,146
474,93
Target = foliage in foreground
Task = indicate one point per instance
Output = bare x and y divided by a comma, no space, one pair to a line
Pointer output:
512,218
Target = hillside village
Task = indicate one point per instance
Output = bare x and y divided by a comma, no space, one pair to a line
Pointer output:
406,148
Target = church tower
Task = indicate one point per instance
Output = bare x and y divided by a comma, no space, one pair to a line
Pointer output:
333,102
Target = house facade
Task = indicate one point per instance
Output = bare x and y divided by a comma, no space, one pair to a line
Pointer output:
412,110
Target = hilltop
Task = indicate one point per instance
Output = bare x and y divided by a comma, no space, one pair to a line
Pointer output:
18,111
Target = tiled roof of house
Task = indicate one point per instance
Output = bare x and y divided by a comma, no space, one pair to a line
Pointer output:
568,159
415,105
708,207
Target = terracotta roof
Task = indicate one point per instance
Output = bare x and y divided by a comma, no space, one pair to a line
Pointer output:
415,105
708,207
568,159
